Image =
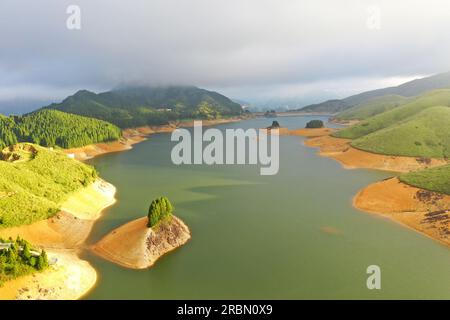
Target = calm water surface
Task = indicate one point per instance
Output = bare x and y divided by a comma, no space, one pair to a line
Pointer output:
263,237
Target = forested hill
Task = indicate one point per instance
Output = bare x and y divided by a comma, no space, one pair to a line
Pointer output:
140,106
55,128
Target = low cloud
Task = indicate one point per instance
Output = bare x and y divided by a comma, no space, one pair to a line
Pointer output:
253,49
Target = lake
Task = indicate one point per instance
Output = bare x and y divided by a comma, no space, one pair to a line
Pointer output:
294,235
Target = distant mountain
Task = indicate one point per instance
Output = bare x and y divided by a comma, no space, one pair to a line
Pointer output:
372,107
140,106
408,89
329,106
242,102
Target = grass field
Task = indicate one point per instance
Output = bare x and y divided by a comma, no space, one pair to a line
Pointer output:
33,187
426,134
372,107
396,115
434,179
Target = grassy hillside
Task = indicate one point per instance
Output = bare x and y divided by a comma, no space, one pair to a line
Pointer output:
329,106
140,106
388,118
34,181
408,89
434,179
426,134
372,107
55,128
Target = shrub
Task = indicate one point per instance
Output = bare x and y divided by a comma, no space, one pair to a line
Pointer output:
314,124
275,125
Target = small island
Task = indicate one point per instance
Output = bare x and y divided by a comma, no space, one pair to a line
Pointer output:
140,243
270,114
279,129
314,124
275,125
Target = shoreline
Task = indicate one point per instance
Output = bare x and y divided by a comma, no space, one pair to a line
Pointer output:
349,157
420,210
132,136
62,236
423,211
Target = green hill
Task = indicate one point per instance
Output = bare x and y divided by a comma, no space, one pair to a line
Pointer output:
140,106
408,89
434,179
329,106
55,128
388,118
425,134
372,107
34,181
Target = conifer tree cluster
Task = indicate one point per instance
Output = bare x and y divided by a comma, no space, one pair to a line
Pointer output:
160,209
50,128
18,257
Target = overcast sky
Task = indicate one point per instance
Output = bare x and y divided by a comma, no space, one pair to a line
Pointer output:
253,50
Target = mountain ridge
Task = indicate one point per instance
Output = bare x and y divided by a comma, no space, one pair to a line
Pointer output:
135,106
407,89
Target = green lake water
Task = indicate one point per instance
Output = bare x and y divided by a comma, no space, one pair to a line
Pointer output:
262,237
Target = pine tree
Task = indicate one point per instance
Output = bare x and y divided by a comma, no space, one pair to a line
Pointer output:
159,209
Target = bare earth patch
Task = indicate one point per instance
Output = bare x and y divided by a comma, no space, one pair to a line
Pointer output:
425,211
310,133
352,158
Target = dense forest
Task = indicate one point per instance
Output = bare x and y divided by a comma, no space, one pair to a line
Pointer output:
141,106
51,128
18,258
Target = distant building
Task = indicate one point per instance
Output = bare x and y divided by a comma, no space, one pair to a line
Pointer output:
5,245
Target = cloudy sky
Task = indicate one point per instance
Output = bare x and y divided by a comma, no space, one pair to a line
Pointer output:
254,50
